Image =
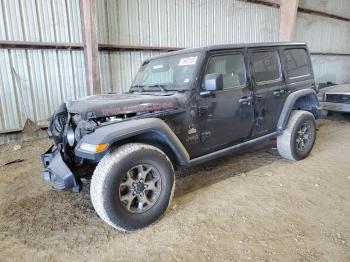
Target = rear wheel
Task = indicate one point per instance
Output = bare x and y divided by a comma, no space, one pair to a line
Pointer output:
132,186
298,138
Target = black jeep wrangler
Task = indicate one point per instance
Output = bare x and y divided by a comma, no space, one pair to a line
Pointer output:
183,108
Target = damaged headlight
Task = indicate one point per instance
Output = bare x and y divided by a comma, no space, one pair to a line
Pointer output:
59,119
59,122
83,128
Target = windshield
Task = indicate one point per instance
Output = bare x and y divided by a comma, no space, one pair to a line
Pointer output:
167,73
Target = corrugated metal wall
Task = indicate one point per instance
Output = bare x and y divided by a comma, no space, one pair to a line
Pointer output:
326,35
34,82
334,7
175,23
184,23
40,20
119,68
331,68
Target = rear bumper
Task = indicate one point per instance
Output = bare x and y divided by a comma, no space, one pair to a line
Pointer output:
338,107
57,173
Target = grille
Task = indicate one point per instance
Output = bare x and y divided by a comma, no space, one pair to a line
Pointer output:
338,98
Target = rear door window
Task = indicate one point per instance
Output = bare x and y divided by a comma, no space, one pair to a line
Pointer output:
266,66
297,62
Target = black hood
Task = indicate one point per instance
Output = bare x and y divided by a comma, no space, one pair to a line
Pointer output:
113,104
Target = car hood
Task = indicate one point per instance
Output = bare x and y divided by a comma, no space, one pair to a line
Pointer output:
113,104
345,88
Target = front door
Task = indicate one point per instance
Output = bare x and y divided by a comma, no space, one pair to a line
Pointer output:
270,90
226,116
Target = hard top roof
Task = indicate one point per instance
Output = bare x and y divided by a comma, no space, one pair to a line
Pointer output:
228,46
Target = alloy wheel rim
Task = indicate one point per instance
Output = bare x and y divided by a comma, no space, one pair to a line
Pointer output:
304,137
140,188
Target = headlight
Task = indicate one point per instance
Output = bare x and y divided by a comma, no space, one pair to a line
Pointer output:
321,97
93,148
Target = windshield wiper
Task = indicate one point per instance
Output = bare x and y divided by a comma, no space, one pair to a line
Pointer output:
139,87
144,88
160,86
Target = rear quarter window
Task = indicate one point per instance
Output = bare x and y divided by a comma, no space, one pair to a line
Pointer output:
297,62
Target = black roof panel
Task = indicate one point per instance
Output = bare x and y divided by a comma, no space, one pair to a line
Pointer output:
229,46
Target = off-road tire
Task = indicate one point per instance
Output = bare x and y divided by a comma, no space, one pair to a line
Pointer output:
286,143
108,175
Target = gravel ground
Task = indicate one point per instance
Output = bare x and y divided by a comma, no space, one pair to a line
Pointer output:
253,206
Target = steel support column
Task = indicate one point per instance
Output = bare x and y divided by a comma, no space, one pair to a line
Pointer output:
89,26
288,9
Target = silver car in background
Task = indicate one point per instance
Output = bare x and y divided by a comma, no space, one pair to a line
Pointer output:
335,98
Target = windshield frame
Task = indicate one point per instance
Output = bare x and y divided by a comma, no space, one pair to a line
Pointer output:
190,85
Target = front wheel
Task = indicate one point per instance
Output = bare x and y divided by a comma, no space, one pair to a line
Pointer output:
298,138
132,186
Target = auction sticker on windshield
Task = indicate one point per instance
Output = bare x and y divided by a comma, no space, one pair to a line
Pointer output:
188,61
158,67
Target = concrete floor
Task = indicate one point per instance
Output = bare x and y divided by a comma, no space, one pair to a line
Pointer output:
250,207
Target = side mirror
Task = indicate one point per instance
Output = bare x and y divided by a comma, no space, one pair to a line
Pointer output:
213,82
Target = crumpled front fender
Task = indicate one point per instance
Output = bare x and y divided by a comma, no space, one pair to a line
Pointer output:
113,133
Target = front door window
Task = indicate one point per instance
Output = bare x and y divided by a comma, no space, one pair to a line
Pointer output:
231,67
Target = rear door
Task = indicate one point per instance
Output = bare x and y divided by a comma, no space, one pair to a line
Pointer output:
298,67
226,116
270,90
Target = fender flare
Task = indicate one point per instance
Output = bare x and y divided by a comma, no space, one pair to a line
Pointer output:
113,133
313,106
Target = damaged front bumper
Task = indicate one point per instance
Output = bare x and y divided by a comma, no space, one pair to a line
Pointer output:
57,173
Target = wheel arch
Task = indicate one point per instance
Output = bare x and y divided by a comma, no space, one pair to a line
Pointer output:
151,131
286,142
157,140
305,99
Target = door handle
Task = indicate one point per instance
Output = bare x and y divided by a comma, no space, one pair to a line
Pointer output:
245,100
279,92
259,97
